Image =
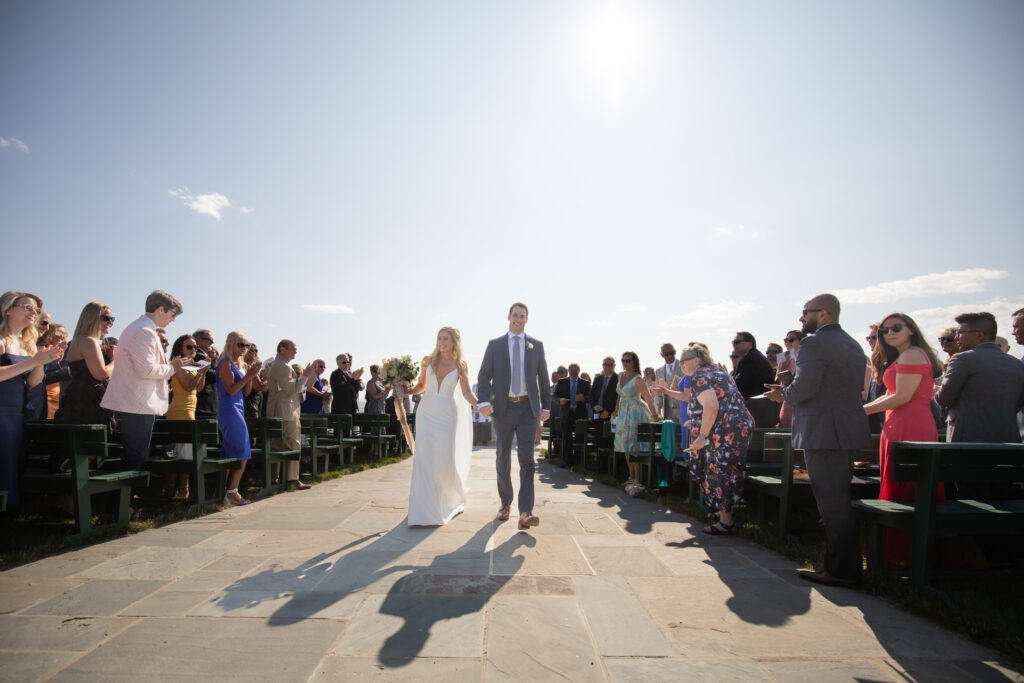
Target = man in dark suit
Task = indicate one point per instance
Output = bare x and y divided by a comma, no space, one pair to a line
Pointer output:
572,395
603,396
753,369
982,387
515,373
345,385
830,425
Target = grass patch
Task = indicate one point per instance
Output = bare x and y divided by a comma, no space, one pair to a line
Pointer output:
29,536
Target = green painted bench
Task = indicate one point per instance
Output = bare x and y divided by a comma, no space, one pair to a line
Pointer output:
205,461
262,432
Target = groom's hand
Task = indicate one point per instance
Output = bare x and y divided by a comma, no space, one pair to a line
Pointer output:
486,410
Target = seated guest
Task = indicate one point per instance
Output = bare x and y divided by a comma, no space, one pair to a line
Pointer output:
91,365
904,362
753,371
21,367
720,432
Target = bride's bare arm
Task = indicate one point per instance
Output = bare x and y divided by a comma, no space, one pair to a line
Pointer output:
467,392
421,382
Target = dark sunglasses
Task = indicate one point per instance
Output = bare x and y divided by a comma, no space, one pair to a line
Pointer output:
950,338
811,310
107,319
668,353
737,342
790,340
898,327
773,352
242,345
734,356
872,337
627,360
961,333
44,323
190,347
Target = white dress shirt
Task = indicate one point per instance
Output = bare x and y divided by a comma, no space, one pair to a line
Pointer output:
522,364
139,381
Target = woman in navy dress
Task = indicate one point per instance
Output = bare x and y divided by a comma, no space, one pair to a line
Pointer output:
21,367
232,386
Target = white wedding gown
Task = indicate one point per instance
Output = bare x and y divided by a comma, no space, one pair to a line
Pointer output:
444,447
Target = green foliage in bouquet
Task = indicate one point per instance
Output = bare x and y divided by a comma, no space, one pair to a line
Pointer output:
399,369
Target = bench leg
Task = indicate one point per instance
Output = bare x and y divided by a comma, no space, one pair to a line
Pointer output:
124,503
873,544
83,512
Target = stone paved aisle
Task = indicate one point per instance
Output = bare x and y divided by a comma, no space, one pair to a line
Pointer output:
331,584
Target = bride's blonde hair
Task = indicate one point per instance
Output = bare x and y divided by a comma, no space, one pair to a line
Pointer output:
435,356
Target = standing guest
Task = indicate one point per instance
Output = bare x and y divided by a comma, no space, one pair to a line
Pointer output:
735,358
328,395
907,366
603,396
629,413
313,404
184,386
671,373
983,387
948,342
206,399
91,365
572,394
21,367
1017,326
254,400
1004,345
873,388
376,393
787,369
830,425
753,371
284,400
650,377
772,352
346,386
37,395
137,391
555,406
56,374
234,380
720,432
161,334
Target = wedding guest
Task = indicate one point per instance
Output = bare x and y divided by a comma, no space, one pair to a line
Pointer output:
1017,326
772,352
786,371
670,372
56,374
313,403
206,400
572,394
91,365
720,431
649,377
161,334
234,380
735,358
948,342
256,399
873,388
376,393
904,362
1004,345
21,367
602,392
284,400
346,385
635,405
184,386
753,371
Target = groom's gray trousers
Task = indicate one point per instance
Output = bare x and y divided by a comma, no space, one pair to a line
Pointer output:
520,421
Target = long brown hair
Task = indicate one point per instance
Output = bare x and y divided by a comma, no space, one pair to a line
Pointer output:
30,334
886,354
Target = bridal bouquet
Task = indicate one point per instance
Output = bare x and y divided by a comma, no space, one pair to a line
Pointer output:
399,369
396,372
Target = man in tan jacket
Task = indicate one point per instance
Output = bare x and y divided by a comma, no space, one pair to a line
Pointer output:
284,400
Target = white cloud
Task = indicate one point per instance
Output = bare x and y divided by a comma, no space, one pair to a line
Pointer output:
211,204
15,143
706,316
332,309
933,320
970,281
246,209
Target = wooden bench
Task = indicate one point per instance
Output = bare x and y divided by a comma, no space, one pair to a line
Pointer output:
263,430
554,427
196,433
927,464
594,437
316,427
374,429
75,445
339,426
783,487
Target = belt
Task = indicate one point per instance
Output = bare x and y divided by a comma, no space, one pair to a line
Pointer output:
518,399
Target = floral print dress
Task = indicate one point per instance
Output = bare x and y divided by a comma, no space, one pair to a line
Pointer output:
721,466
631,412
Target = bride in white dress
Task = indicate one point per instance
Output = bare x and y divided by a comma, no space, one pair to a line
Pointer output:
444,434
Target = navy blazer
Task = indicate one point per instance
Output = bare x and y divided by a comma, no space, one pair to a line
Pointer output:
826,392
983,389
495,376
752,372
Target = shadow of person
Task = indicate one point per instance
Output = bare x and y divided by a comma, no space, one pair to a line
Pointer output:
321,581
440,592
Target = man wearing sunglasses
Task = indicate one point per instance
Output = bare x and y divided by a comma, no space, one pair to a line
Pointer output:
284,400
830,425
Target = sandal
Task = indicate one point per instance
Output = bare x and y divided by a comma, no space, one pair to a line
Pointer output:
228,501
720,529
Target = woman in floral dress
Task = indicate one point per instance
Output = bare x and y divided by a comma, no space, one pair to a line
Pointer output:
629,413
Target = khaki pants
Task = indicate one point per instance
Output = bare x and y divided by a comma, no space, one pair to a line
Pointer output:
291,442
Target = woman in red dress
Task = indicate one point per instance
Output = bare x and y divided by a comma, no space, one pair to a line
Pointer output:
904,362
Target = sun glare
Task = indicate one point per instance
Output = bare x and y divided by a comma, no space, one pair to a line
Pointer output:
611,45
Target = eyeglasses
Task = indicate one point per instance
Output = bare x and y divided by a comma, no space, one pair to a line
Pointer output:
610,364
737,342
950,338
961,333
772,353
44,323
897,328
668,353
107,319
683,359
790,340
810,310
734,356
626,360
30,309
872,337
190,347
242,345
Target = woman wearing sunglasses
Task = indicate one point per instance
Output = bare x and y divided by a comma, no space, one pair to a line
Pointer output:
906,364
786,371
234,380
629,413
184,386
91,365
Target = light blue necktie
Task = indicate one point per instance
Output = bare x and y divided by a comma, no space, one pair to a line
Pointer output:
572,392
517,368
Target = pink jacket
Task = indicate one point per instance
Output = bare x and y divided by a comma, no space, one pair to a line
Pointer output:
139,381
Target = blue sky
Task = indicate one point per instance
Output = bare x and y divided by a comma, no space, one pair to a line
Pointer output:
355,175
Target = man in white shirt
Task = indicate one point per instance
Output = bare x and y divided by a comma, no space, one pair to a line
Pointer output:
138,386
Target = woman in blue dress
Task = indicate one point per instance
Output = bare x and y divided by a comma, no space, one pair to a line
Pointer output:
232,386
21,367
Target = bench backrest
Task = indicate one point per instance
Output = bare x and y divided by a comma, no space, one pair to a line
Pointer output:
203,430
965,462
76,443
263,429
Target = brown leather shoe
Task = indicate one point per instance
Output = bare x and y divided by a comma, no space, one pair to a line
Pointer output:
503,513
825,579
528,519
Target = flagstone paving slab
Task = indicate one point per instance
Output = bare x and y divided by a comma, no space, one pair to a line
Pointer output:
619,622
419,670
17,594
77,634
97,598
165,603
32,666
701,670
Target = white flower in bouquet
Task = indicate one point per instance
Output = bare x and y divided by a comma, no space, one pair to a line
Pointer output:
401,369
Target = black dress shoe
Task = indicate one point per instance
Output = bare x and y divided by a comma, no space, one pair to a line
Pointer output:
825,579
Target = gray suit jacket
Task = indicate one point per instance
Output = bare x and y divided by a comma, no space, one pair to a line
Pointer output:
826,392
983,389
495,376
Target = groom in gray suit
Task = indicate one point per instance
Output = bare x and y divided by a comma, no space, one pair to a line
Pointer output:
830,425
515,373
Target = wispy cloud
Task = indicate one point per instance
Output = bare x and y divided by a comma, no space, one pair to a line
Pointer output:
331,309
15,143
706,315
211,204
933,320
970,281
246,209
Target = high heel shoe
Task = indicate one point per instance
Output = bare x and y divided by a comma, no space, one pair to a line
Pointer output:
228,501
